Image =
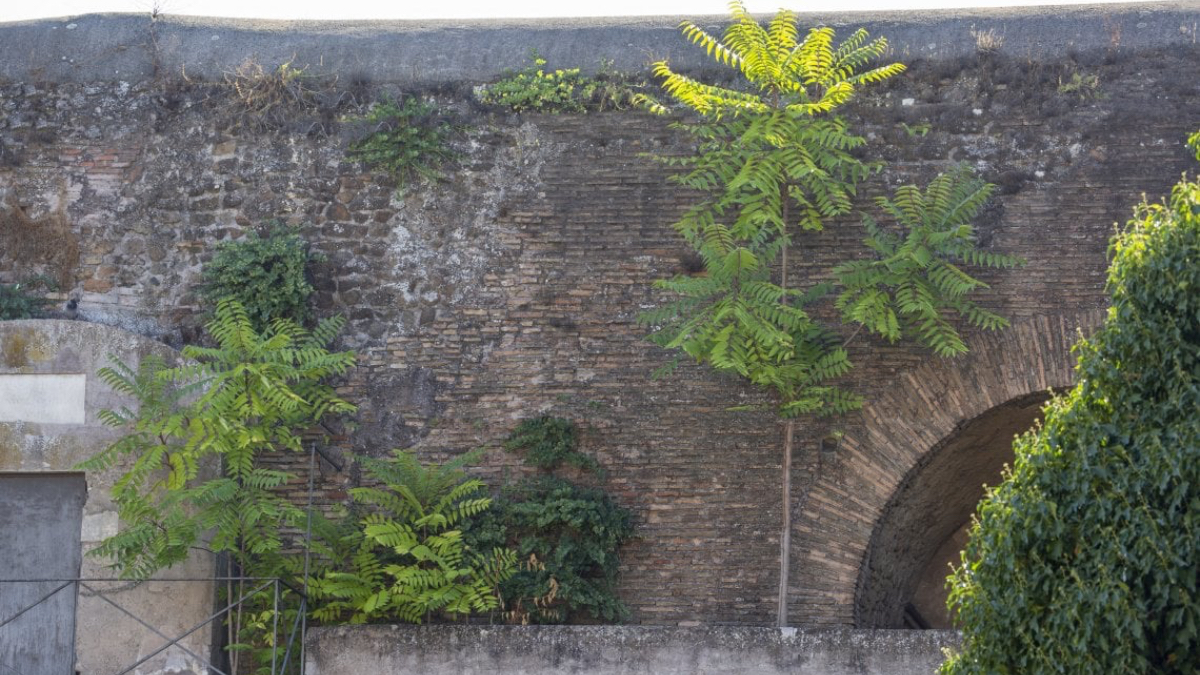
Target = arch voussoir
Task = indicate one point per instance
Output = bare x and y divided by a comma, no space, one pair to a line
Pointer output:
899,432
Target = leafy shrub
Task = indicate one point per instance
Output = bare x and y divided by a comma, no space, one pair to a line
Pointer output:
536,89
1086,87
569,535
267,276
250,394
409,139
549,442
18,302
1086,559
409,561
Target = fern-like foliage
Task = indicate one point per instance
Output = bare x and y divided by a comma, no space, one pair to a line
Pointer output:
771,157
409,560
191,446
807,76
916,284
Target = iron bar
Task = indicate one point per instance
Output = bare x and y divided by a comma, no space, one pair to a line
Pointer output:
154,630
278,666
43,599
195,628
312,471
275,629
291,640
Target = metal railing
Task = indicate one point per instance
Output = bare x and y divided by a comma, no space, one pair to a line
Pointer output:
248,589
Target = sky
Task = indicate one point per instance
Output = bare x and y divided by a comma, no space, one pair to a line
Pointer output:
20,10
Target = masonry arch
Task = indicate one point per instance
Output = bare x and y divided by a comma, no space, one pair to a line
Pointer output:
924,525
864,535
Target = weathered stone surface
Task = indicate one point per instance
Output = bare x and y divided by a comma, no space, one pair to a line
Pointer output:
512,288
112,47
50,398
610,650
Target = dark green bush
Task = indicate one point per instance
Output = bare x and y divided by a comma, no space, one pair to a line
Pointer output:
17,301
1086,559
549,442
566,537
267,275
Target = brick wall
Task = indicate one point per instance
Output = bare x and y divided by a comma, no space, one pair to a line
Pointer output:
511,290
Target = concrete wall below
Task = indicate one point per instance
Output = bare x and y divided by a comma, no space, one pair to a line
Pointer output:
613,650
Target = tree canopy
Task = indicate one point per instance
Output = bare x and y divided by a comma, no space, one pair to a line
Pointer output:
1086,558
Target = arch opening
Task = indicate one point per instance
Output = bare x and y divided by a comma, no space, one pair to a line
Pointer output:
924,525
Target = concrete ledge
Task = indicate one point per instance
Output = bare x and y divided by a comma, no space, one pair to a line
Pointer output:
129,47
614,650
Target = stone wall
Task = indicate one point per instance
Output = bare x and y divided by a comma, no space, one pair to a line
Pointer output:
596,650
512,288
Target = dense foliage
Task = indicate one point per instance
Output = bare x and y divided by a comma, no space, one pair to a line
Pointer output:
915,283
773,159
408,559
191,454
568,537
266,275
536,89
194,440
1086,559
769,158
22,301
409,138
547,442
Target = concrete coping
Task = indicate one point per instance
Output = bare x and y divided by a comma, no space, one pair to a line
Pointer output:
135,48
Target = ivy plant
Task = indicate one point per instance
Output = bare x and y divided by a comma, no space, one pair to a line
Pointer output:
568,537
266,275
549,441
774,159
1084,559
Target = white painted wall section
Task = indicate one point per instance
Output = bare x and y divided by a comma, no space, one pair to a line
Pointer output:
43,398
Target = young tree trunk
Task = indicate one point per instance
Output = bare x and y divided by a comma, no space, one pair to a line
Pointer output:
785,538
